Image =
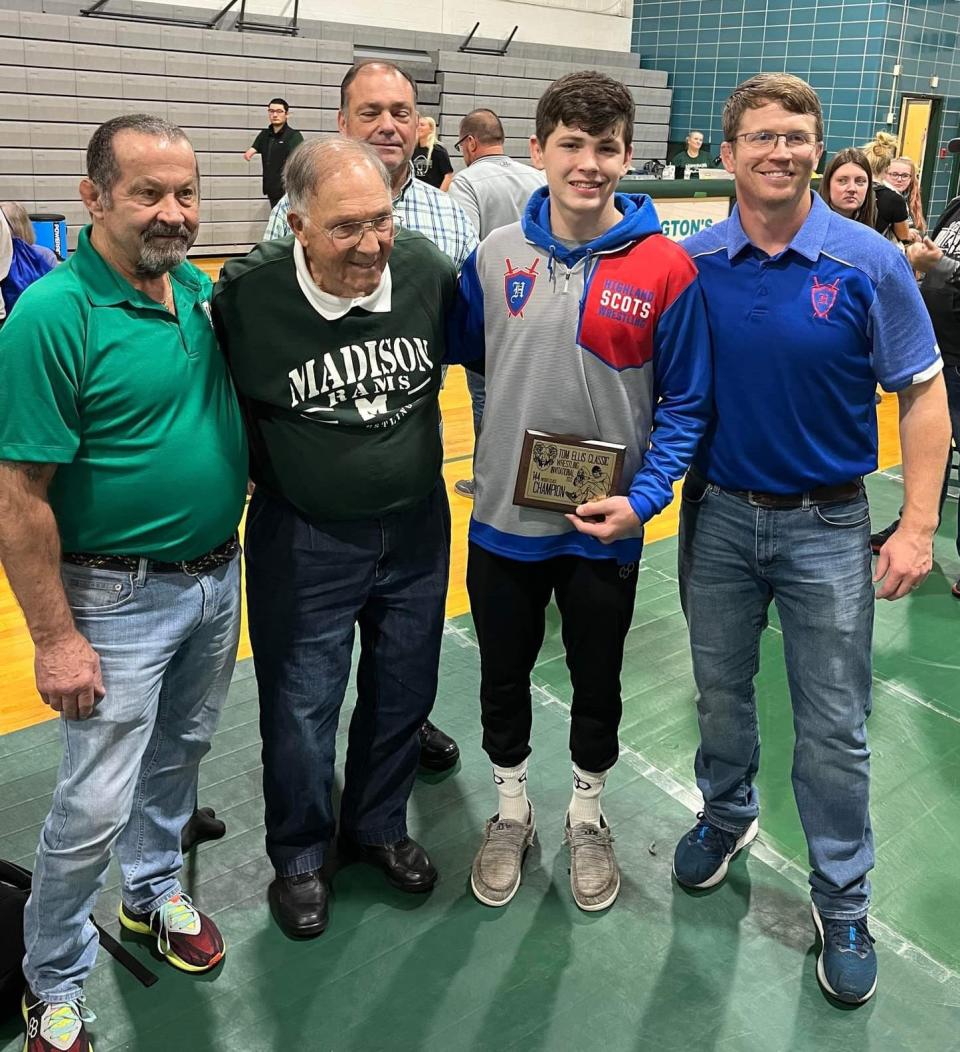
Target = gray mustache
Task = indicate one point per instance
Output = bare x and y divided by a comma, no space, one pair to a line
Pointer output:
162,230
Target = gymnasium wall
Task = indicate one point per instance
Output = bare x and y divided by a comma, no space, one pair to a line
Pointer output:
63,74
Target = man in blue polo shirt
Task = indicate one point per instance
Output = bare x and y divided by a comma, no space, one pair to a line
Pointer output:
809,311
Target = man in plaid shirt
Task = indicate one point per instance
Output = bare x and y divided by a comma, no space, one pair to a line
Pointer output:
378,103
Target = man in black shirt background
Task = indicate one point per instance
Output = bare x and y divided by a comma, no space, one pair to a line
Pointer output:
275,144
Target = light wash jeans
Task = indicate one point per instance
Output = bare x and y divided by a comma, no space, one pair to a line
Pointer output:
814,563
128,776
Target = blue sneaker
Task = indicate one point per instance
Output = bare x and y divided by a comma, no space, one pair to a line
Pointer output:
703,855
847,962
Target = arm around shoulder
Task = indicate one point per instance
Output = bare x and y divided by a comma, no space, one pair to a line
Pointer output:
683,389
465,323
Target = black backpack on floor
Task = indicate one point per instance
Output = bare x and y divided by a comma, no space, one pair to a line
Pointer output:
14,889
14,892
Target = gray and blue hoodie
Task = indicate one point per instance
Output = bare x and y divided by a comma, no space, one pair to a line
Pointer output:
607,340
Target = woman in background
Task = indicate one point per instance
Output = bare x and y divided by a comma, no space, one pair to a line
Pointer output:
901,176
692,155
23,262
431,162
21,227
847,186
892,216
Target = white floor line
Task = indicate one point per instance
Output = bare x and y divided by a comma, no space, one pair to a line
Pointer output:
905,692
692,801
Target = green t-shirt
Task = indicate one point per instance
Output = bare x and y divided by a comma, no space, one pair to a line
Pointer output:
684,160
134,405
342,415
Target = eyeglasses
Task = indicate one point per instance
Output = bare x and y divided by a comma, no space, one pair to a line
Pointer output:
898,175
764,141
276,111
460,142
346,235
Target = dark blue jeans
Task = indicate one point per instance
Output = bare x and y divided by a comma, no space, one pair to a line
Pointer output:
308,585
477,386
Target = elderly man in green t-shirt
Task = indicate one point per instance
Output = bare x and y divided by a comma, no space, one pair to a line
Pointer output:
335,337
123,470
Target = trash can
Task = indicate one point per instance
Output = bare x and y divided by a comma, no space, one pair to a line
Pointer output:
51,231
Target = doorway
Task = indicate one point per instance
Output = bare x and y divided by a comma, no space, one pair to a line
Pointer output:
920,118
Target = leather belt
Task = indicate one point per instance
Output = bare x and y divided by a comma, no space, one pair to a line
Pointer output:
210,560
783,501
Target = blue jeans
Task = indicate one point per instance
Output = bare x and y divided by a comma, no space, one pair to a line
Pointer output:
128,777
476,385
308,585
814,563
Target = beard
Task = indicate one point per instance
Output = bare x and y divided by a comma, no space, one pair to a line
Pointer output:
163,247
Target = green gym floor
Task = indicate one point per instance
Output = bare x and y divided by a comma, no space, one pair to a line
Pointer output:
730,970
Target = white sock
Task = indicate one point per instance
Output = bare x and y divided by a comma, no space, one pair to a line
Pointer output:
585,803
511,783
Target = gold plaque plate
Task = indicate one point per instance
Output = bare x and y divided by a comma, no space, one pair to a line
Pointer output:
561,472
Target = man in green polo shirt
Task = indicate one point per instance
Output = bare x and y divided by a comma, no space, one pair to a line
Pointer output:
336,355
122,480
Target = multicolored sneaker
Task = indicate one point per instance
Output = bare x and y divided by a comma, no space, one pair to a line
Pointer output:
56,1027
703,855
187,938
847,962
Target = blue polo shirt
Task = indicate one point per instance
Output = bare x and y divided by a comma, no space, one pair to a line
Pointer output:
801,340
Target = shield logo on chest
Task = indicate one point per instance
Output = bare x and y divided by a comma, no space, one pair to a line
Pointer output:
518,285
823,296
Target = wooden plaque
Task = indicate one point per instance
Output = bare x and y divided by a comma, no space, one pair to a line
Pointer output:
560,472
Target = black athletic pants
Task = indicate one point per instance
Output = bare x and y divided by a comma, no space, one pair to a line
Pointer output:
508,599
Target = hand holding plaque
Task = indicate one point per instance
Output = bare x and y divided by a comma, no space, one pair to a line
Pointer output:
561,472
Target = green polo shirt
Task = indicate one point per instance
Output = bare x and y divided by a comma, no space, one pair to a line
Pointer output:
134,405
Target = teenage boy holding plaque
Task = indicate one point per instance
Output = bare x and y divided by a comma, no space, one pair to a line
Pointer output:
593,331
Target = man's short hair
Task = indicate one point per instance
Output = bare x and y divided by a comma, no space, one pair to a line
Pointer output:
788,91
312,164
484,125
279,102
102,168
590,101
358,67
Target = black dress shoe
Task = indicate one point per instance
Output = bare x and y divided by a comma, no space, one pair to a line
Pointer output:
438,751
299,904
202,825
405,863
